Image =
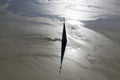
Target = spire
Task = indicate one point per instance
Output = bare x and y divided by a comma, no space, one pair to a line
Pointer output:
63,44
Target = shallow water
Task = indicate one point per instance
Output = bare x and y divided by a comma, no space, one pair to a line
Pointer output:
30,40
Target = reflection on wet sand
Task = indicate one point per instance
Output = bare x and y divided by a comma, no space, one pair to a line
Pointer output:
89,55
30,40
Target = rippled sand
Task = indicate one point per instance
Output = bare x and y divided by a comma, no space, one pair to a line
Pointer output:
29,50
30,39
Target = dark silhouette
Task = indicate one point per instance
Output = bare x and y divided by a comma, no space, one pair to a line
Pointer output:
64,42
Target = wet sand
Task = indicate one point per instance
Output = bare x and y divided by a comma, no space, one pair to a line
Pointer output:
30,52
30,40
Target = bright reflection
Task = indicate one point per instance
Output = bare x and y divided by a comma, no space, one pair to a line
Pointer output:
71,14
73,10
74,22
84,9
